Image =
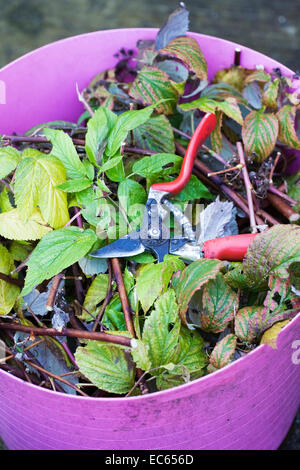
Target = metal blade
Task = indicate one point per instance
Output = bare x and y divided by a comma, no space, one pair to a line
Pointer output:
129,245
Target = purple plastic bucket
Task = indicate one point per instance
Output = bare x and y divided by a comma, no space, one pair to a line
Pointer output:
249,404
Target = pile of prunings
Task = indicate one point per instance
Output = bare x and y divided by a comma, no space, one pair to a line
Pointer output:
95,327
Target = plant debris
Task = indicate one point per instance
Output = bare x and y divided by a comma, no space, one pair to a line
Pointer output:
95,327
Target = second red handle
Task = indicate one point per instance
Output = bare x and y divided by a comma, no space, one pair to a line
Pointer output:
232,248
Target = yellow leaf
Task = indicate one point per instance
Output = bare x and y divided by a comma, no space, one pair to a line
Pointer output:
13,228
270,336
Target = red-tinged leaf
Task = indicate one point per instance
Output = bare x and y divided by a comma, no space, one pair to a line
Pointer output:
279,289
192,278
219,305
216,135
152,85
257,76
271,253
188,51
249,323
259,132
231,108
287,133
222,353
270,94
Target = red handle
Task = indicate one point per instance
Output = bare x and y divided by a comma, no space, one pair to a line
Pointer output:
231,248
203,130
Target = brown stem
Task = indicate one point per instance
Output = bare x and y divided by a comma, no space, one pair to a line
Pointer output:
15,139
107,298
248,187
273,167
260,212
226,170
283,195
72,333
123,295
283,207
202,168
53,291
11,280
56,377
127,314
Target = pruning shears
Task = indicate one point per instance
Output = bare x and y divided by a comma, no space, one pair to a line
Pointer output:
154,235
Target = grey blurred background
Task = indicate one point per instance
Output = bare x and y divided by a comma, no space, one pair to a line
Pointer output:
269,27
272,27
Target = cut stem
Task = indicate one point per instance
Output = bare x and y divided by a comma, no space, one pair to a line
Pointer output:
248,187
72,333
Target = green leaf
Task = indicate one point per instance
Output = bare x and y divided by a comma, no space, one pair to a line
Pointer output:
231,108
161,330
96,135
189,363
187,50
5,201
132,198
37,178
8,292
259,132
13,227
76,185
111,163
152,281
152,85
191,353
64,149
205,104
125,123
156,134
9,158
222,353
272,252
108,367
287,133
194,189
140,355
95,294
159,164
20,250
55,252
219,305
192,278
236,279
